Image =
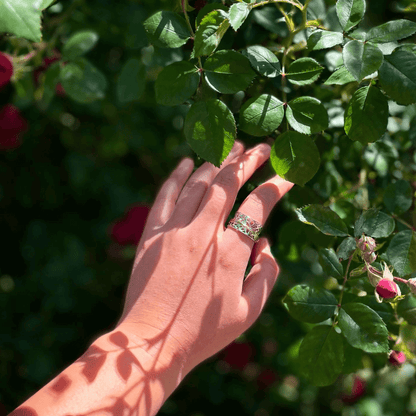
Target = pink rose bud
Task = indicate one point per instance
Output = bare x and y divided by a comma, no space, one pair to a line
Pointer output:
411,283
369,257
397,358
366,244
387,289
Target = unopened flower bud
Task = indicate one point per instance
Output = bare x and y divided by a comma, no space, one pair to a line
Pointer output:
397,358
369,257
358,271
374,275
411,283
387,289
366,244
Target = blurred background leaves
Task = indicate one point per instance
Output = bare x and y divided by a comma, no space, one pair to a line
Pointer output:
83,174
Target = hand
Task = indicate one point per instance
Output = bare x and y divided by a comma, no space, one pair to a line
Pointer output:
187,298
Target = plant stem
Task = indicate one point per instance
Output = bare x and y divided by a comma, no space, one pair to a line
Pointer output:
403,222
187,18
293,3
344,282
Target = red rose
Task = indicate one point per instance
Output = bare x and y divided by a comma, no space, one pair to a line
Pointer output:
129,229
357,390
12,125
238,355
267,377
6,69
397,358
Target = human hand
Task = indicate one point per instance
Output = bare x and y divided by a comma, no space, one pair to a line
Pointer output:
187,298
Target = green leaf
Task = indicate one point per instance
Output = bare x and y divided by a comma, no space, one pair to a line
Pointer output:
295,157
79,44
325,220
310,305
131,81
210,32
166,30
391,31
350,13
398,197
238,14
261,115
361,59
21,18
407,309
83,82
46,4
263,60
307,115
353,359
366,115
323,39
363,328
397,76
321,355
383,310
208,8
49,85
228,72
176,83
401,252
330,263
374,223
304,71
346,248
210,130
340,77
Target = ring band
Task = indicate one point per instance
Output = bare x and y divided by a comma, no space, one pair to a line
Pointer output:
246,225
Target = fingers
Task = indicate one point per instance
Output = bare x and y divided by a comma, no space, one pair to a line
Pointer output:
220,197
258,206
196,187
259,283
166,198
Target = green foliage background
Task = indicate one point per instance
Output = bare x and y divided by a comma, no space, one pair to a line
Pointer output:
62,278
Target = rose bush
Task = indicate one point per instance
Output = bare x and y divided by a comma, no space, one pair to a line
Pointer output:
99,99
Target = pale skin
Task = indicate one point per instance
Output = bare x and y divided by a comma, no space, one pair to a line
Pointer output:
186,299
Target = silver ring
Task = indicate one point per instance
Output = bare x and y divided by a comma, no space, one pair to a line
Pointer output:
246,225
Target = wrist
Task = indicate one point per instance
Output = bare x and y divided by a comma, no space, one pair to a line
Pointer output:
114,376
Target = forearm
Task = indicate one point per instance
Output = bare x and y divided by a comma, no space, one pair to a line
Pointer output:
113,377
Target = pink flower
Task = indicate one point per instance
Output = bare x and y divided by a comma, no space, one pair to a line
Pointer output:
358,389
12,125
387,289
129,229
6,69
397,358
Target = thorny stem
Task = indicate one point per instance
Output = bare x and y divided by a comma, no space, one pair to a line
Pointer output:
187,17
343,284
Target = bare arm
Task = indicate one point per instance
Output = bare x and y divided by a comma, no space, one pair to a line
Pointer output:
186,299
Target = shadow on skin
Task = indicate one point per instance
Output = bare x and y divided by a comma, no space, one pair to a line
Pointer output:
94,358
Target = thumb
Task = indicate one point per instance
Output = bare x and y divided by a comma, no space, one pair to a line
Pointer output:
259,282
